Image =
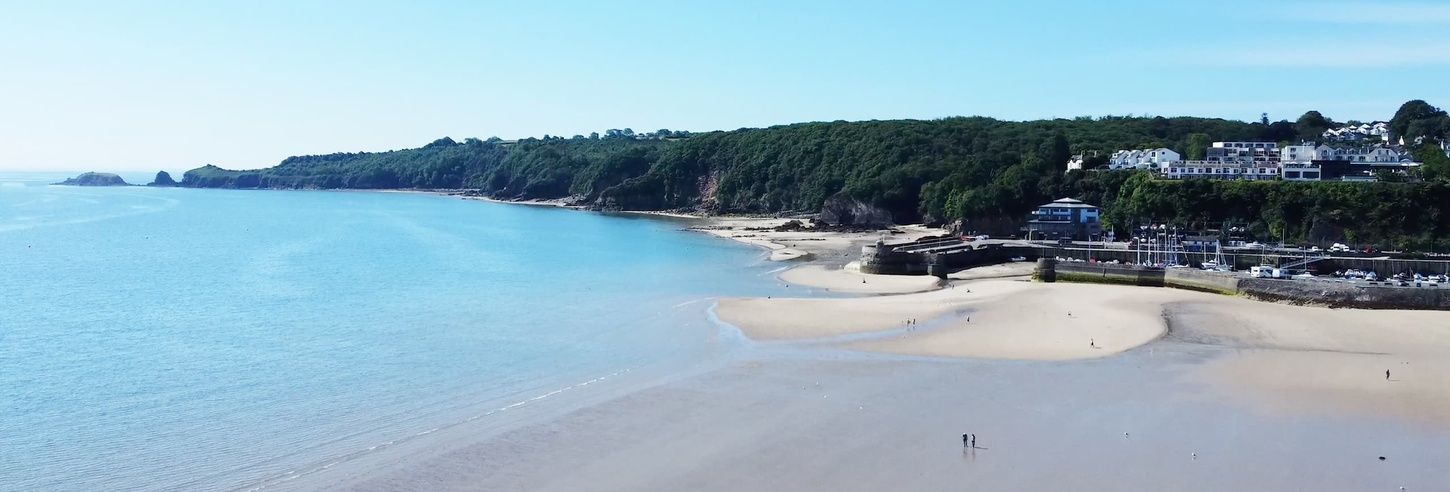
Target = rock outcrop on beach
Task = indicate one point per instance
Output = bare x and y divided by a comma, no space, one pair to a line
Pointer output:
842,210
162,179
95,179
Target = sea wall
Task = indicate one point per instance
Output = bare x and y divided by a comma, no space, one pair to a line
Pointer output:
1101,273
888,259
1191,279
884,259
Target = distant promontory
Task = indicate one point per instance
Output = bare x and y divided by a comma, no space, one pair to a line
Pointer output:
95,179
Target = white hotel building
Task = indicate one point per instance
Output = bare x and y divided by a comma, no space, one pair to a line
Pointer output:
1267,161
1230,160
1220,170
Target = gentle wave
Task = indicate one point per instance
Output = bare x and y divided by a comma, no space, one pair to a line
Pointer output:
334,461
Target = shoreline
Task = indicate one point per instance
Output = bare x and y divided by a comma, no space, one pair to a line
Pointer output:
845,394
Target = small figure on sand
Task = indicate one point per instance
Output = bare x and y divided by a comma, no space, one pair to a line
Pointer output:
1387,374
965,440
1092,343
863,280
974,441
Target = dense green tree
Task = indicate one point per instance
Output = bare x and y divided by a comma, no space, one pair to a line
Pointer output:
986,172
1408,114
1197,148
1311,126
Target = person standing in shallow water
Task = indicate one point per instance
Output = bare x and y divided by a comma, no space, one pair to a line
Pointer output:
964,440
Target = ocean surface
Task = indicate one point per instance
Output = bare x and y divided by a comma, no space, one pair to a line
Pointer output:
182,339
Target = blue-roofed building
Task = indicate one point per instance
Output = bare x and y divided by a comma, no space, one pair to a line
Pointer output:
1065,218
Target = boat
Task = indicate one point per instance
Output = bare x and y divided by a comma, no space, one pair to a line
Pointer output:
1217,264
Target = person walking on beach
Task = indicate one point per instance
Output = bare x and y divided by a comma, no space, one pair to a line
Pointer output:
974,441
964,440
1387,374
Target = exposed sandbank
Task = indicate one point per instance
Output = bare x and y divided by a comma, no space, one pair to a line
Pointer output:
1006,319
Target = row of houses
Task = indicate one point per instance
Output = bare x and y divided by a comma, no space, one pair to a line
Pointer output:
1266,160
1357,133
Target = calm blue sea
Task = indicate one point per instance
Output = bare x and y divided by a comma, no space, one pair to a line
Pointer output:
158,339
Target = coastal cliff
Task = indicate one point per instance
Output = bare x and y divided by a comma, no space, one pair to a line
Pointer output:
95,179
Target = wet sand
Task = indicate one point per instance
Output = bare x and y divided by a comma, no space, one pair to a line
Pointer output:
1189,391
791,422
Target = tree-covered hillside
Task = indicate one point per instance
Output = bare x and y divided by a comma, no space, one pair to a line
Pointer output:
986,172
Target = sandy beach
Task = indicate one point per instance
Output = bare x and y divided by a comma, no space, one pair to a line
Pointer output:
1067,386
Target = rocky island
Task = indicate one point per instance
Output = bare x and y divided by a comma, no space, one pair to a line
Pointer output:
163,178
95,179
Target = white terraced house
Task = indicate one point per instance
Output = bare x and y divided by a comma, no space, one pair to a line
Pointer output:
1309,153
1364,154
1076,162
1154,159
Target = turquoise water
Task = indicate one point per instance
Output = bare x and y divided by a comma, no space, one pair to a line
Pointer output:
158,339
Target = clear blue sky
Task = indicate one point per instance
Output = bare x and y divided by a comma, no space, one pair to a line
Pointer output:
172,85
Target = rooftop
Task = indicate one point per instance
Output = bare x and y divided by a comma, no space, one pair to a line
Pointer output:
1066,203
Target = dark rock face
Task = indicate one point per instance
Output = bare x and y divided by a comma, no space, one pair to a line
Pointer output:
95,179
163,179
841,210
